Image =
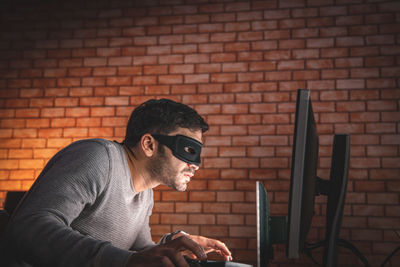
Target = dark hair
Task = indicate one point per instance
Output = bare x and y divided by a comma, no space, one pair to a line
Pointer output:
161,117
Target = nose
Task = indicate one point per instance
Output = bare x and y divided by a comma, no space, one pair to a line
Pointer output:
193,167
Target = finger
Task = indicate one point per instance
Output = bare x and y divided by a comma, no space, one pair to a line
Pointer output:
183,243
175,257
166,261
219,247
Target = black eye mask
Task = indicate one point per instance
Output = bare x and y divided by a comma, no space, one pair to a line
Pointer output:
184,148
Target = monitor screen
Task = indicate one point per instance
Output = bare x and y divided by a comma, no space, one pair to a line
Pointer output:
304,186
303,175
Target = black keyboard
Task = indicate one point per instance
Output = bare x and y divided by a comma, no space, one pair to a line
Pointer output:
195,263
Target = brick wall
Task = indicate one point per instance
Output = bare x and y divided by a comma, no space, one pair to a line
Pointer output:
76,69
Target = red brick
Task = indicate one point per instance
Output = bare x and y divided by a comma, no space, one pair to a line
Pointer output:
91,101
102,132
390,72
88,122
65,102
319,64
235,108
27,113
194,99
306,75
10,185
117,81
248,98
274,140
364,51
170,59
230,196
80,91
262,129
245,140
291,65
202,219
173,218
171,39
22,174
37,123
68,82
170,79
75,132
236,87
334,52
243,208
382,83
245,163
187,207
335,95
381,105
230,219
384,223
390,139
20,154
292,44
79,72
390,162
159,50
120,61
130,51
217,163
380,128
262,108
124,70
30,143
102,111
95,61
52,112
278,35
148,80
274,163
196,78
31,164
305,33
288,86
351,84
247,119
365,73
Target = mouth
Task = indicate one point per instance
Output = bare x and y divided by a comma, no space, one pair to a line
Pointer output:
188,176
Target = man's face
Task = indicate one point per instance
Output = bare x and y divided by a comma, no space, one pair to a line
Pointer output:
170,170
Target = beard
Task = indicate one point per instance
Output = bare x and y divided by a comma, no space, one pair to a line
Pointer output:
161,169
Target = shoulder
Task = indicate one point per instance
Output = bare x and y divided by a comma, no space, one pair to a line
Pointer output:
86,152
93,147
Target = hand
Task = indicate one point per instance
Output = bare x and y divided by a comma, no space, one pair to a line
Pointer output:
210,245
167,255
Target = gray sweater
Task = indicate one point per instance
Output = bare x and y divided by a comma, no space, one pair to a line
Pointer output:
82,211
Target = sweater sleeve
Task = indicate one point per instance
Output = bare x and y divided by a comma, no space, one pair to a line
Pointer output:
39,232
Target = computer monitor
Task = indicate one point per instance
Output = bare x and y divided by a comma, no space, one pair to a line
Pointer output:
304,186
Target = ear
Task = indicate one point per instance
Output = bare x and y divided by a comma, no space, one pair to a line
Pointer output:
148,145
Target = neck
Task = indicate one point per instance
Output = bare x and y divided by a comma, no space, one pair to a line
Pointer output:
140,178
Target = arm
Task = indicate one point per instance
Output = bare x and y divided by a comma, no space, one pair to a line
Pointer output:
40,231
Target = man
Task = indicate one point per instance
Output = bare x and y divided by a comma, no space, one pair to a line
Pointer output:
91,204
